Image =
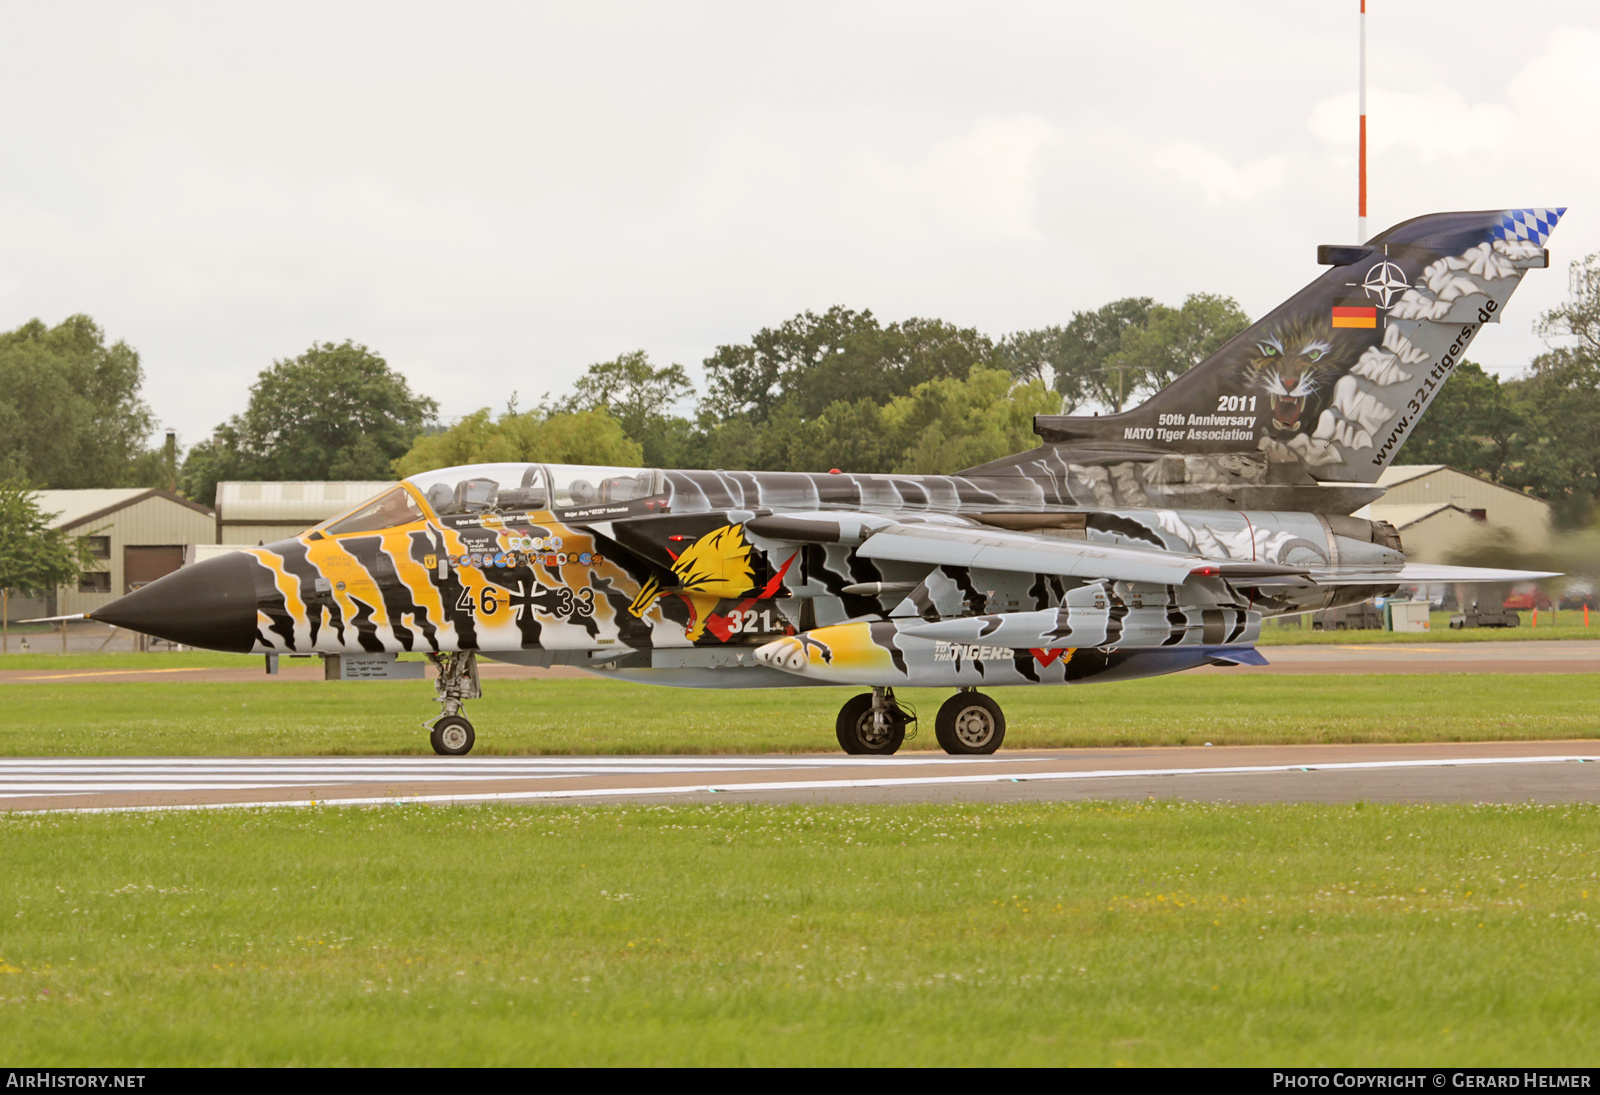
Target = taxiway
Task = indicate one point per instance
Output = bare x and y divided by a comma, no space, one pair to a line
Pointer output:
1548,772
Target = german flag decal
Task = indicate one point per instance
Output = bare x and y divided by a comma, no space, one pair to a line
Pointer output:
1358,316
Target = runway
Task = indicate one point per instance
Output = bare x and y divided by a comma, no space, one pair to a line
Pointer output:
1547,772
1526,656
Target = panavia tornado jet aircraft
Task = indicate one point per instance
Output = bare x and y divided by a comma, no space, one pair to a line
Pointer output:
1127,545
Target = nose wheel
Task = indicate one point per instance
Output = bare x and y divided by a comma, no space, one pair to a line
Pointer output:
452,736
969,724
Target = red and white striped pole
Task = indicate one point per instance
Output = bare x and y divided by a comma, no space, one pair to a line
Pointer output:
1361,155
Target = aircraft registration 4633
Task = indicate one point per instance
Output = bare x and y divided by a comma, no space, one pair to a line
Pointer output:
1127,545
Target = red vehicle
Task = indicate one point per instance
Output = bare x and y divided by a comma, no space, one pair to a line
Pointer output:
1527,597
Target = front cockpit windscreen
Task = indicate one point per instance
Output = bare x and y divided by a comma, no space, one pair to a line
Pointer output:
521,488
388,510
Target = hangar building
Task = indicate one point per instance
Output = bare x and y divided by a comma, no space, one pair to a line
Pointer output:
259,513
135,534
1440,510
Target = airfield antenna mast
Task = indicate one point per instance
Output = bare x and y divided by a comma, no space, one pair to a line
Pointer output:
1361,155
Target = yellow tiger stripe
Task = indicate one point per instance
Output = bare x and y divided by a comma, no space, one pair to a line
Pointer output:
289,586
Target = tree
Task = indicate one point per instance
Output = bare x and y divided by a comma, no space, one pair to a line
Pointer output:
1474,424
1579,318
884,363
1174,340
70,410
213,461
851,436
1046,354
34,558
1076,359
1560,454
748,380
949,424
1559,399
812,362
640,397
940,426
583,437
334,412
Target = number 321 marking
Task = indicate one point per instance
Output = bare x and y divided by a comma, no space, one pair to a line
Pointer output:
751,621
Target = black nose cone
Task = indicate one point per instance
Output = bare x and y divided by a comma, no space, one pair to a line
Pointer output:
210,604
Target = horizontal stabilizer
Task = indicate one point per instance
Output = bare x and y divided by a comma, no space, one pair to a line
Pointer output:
1413,574
1237,655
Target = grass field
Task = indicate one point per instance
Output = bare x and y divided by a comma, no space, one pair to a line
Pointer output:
1097,934
184,659
1090,933
283,717
1566,624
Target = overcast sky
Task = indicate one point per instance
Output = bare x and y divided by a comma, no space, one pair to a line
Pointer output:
494,196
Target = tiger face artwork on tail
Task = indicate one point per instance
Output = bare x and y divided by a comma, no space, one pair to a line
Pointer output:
1296,365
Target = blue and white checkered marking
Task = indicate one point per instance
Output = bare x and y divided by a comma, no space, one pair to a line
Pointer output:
1533,225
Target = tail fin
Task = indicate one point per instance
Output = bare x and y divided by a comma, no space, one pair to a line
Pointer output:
1334,379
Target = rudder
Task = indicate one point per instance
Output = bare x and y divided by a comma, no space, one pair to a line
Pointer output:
1331,382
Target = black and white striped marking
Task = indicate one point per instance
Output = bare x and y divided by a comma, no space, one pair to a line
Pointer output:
69,781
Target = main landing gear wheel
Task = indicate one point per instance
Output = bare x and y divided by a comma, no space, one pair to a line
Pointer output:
861,734
452,736
969,724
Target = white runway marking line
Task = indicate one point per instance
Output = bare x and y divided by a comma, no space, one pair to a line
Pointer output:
77,776
850,784
436,764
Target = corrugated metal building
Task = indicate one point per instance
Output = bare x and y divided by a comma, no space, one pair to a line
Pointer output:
1440,510
259,513
136,535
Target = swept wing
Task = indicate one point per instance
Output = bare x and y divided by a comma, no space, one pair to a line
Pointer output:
1033,553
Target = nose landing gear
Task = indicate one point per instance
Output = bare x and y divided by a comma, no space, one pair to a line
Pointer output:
452,734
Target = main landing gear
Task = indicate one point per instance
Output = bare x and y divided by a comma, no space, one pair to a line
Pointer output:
969,724
457,681
873,723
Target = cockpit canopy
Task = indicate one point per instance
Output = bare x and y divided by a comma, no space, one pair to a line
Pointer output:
501,489
519,488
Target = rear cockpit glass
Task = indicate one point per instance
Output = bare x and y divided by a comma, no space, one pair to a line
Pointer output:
574,486
529,493
386,511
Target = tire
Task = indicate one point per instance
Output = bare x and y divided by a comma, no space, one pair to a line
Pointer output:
857,735
969,724
452,736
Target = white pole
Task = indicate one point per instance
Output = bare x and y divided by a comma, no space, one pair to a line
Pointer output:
1361,156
